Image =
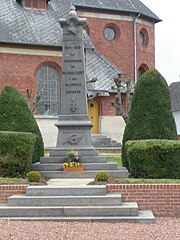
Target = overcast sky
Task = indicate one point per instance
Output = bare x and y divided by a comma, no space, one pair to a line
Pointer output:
167,37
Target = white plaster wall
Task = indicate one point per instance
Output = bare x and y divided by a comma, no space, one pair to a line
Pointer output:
48,130
177,120
112,126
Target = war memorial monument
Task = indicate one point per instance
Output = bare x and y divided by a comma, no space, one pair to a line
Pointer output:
73,123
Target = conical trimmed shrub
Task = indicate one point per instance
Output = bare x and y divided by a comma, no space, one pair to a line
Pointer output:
16,116
150,116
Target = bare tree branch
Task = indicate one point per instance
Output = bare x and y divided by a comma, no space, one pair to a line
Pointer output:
123,87
36,100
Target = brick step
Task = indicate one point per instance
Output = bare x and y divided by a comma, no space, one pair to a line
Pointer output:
125,209
144,217
87,166
106,200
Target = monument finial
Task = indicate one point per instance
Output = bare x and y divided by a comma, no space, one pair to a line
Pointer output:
73,13
72,7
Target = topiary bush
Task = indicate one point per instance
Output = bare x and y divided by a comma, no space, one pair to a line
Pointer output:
154,158
150,116
16,151
102,177
16,116
34,176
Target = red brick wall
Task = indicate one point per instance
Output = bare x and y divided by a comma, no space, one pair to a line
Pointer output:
105,106
120,50
9,190
162,199
146,55
18,70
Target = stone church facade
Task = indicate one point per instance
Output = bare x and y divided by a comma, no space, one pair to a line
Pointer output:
119,38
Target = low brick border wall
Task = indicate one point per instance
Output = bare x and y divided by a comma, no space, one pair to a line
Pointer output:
162,199
9,190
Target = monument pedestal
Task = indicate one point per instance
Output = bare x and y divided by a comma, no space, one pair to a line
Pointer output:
74,132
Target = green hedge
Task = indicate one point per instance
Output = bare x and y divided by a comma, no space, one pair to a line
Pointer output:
151,114
154,158
16,151
16,116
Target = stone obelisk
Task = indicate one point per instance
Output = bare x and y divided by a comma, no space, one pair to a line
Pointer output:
73,122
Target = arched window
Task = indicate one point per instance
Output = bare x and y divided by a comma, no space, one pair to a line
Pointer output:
142,69
143,37
48,78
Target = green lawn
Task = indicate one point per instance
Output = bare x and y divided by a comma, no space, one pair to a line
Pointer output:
118,180
142,180
13,181
115,158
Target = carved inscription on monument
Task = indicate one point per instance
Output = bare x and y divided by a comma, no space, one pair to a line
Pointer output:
73,70
73,93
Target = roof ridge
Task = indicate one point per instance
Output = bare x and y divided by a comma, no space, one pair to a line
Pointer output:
131,6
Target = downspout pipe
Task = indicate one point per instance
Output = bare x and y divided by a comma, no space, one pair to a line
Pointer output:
135,46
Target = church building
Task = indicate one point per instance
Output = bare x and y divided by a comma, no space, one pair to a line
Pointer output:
119,39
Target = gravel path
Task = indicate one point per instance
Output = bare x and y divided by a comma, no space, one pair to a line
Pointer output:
164,229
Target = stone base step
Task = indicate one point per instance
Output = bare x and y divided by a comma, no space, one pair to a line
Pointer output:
83,151
109,150
87,166
104,141
84,159
107,200
95,136
106,144
144,217
86,190
125,209
104,150
72,203
120,173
